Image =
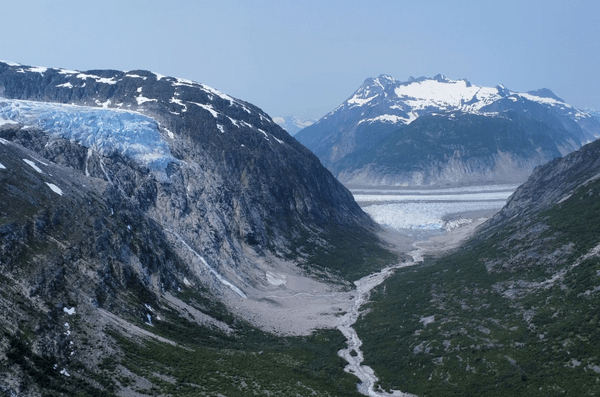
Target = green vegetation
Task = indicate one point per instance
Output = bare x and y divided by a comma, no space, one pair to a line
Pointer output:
272,366
577,219
451,327
41,371
350,254
246,361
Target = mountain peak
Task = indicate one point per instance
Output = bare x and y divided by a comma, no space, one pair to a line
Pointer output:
382,81
545,93
376,111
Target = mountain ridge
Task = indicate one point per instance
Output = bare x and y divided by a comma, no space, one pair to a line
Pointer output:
293,124
383,106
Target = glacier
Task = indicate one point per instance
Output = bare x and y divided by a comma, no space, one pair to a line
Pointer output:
430,209
106,131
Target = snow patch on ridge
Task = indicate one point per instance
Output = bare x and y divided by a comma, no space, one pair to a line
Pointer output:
452,94
32,165
98,79
275,279
208,108
142,99
55,188
38,69
355,100
11,63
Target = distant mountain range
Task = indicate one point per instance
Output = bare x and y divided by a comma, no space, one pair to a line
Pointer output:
293,124
437,131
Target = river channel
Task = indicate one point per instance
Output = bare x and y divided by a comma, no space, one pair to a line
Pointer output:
353,354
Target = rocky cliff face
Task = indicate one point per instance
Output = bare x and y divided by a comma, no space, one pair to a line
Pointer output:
445,132
215,170
129,194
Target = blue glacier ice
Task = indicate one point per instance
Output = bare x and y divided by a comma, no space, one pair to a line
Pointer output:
106,131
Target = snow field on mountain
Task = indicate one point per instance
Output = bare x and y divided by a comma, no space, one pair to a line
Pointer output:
439,209
452,94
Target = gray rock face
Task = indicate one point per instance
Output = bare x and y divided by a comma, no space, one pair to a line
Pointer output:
121,192
444,132
231,178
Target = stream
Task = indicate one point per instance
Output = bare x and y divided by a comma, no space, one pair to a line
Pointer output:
363,288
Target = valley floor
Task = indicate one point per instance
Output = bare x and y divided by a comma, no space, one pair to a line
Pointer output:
289,302
292,303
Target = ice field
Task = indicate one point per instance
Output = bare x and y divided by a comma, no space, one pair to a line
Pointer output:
431,209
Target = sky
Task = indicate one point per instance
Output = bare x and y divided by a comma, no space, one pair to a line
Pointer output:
305,57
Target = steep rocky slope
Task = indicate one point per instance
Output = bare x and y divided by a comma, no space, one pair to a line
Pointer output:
514,310
136,208
216,170
437,131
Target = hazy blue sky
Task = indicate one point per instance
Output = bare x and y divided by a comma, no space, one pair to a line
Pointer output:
306,57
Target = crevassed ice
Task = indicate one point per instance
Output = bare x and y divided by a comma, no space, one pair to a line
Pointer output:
106,131
424,215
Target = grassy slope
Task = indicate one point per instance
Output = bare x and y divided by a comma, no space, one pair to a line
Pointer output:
494,333
247,362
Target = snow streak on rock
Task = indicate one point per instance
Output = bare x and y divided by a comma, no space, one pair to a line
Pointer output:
55,188
221,279
32,165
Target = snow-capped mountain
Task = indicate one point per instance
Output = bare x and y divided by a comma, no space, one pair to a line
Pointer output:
203,162
135,197
293,124
594,113
349,139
